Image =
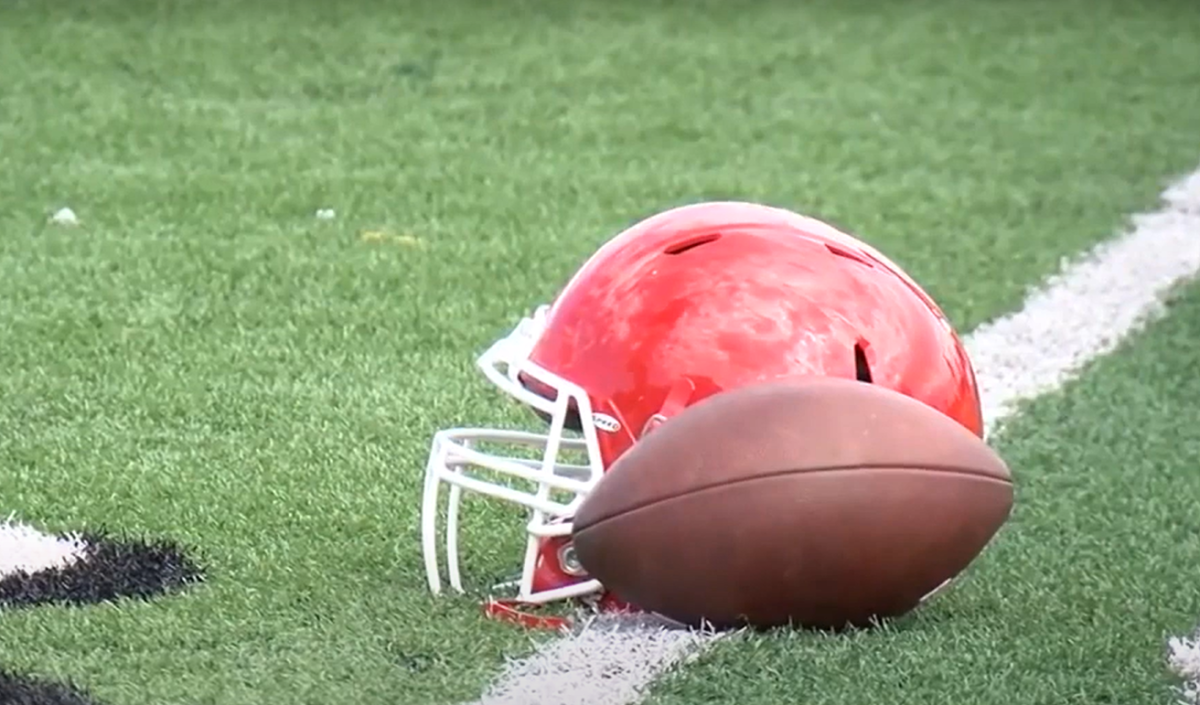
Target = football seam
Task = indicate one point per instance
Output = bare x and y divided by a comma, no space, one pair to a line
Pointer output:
839,468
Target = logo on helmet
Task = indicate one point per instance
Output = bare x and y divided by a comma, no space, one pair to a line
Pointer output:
604,422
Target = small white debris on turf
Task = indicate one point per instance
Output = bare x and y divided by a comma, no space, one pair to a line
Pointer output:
23,548
325,214
64,216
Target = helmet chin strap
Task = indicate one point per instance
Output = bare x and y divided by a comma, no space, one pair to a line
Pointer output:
677,399
517,612
510,611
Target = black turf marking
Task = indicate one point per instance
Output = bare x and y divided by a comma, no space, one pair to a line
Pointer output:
26,690
111,569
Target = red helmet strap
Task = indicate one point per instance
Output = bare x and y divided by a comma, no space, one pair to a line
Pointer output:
511,611
677,400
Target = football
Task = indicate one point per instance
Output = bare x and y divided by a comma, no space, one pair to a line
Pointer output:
823,503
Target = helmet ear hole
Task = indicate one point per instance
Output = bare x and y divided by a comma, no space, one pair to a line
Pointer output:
862,369
572,422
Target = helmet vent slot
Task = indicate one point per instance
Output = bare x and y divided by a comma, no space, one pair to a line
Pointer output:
691,243
848,254
862,370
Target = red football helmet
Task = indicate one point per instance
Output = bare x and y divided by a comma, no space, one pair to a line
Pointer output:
682,305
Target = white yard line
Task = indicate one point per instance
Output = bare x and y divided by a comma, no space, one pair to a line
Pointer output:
24,548
1075,317
1183,655
1086,310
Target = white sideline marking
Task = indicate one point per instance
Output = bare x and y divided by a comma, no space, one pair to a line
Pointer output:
1075,317
1184,658
25,549
1086,310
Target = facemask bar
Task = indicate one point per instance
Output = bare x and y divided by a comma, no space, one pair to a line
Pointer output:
455,452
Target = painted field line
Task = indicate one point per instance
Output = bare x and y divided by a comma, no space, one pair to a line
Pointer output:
1075,317
25,549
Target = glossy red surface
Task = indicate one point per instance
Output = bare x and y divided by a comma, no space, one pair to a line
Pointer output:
717,295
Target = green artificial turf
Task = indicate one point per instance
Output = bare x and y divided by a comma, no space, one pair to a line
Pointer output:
203,359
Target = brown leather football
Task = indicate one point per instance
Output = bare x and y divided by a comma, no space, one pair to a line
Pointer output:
826,503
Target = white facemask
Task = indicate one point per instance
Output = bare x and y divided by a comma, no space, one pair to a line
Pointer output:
549,488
